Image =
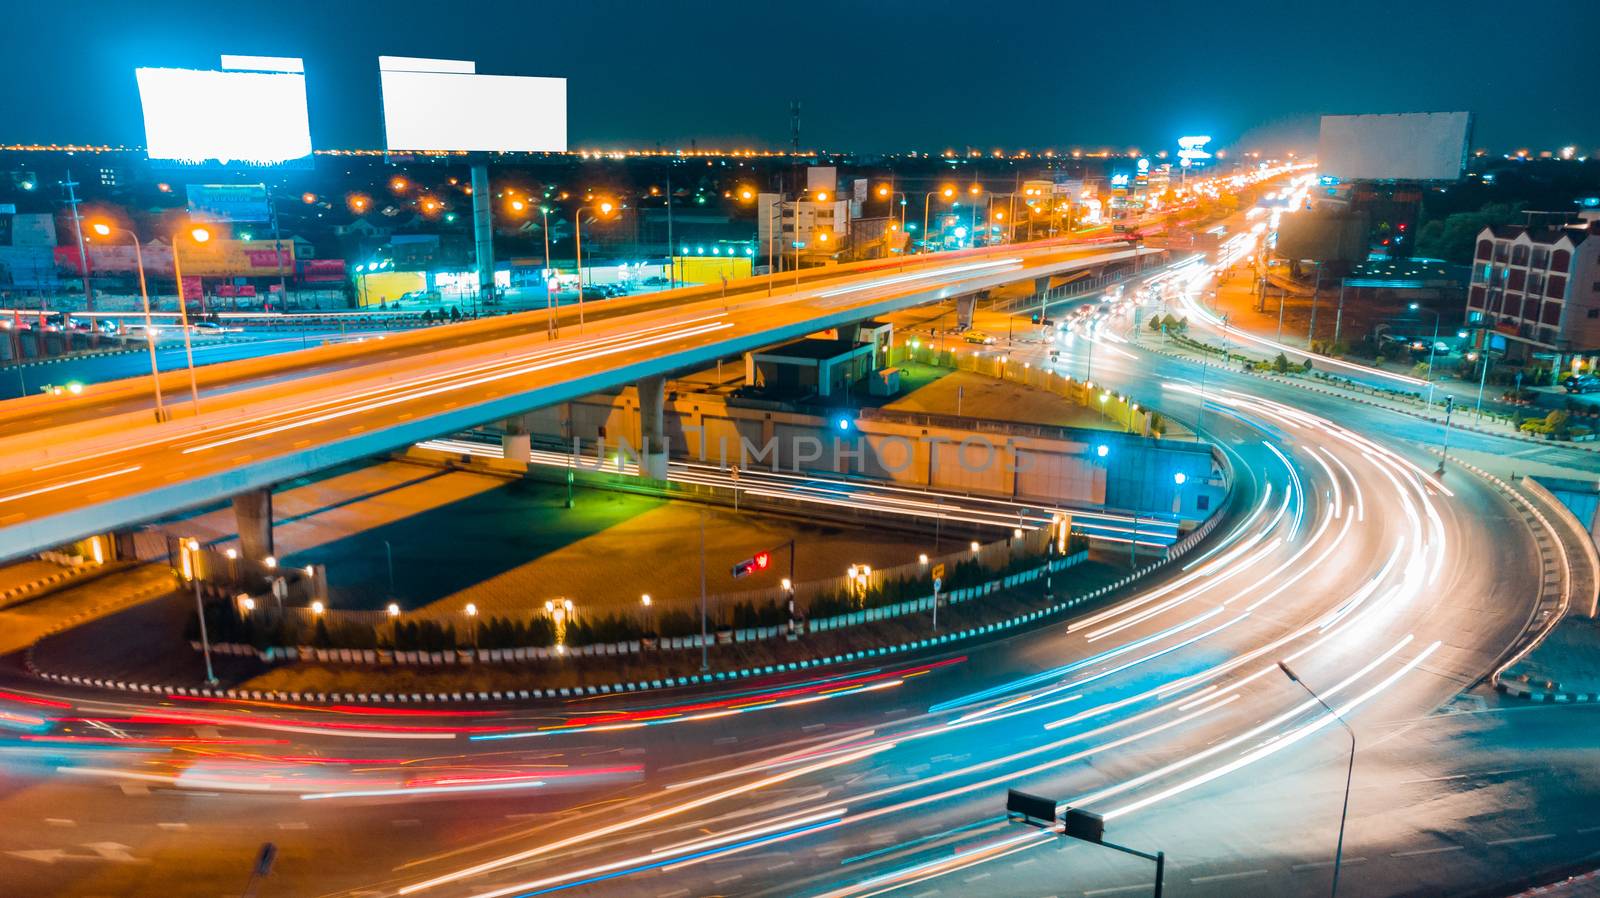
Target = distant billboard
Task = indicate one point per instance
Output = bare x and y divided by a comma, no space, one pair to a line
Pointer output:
232,117
223,203
444,105
1422,146
1323,236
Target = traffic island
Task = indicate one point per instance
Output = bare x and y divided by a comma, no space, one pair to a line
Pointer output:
993,609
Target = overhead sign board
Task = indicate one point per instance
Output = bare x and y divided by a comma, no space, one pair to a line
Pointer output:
223,203
229,118
444,105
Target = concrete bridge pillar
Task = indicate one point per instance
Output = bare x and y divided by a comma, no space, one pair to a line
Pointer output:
652,428
516,443
252,514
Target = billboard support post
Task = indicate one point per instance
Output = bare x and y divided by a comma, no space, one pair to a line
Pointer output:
277,248
482,225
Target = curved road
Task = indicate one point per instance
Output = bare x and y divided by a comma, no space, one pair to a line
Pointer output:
1387,590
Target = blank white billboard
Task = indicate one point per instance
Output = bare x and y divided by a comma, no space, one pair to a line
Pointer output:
199,117
1421,146
443,105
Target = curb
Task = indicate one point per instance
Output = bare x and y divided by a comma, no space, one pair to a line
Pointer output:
1554,615
1518,690
1354,397
27,589
8,364
1554,888
632,686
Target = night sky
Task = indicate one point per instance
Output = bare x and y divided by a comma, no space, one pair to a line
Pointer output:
872,76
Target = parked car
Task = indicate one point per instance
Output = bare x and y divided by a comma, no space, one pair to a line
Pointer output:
1582,383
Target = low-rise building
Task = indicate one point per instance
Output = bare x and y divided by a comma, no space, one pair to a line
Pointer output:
1539,286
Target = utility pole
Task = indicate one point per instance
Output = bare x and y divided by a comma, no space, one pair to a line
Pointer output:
83,254
277,245
672,270
1338,315
794,126
705,660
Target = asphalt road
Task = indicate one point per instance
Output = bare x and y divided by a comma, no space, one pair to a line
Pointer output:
1163,711
29,378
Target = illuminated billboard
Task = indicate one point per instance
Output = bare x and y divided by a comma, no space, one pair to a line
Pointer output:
445,105
231,117
1423,146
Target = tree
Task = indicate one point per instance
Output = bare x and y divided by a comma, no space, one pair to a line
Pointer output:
1155,324
1454,238
1281,364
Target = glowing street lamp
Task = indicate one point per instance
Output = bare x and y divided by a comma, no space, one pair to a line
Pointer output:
603,209
198,235
104,229
948,192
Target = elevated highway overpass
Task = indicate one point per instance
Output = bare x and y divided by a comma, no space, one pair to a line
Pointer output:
100,461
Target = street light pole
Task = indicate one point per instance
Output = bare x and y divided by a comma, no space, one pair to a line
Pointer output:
1344,813
105,230
1433,345
200,235
705,660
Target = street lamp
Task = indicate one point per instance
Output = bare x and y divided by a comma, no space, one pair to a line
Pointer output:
603,208
199,235
948,193
104,230
1432,345
1338,851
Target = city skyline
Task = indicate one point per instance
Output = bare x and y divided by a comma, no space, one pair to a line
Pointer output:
867,80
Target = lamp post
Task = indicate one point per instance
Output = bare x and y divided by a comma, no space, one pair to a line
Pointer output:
604,208
948,193
191,558
200,235
105,230
472,615
1432,345
1338,851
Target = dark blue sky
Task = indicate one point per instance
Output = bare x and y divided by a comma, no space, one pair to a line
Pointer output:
871,75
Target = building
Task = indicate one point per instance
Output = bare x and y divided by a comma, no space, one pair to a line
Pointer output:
810,226
1539,286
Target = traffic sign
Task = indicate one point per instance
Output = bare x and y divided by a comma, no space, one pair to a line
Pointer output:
938,572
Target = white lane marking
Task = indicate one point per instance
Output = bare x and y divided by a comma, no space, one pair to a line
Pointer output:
293,824
1518,840
1319,865
1118,890
60,821
173,827
1419,852
1224,877
61,486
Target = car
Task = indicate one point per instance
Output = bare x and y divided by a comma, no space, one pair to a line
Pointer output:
419,296
594,293
978,337
1582,383
207,327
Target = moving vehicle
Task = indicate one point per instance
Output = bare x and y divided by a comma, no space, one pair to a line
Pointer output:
978,337
1582,383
